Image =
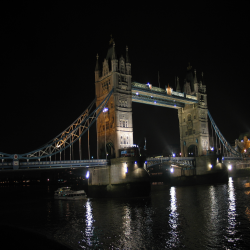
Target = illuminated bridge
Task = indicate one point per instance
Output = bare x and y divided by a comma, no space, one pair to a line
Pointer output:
111,110
141,93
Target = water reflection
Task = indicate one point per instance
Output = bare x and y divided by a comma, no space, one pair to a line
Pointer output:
173,220
247,212
231,211
127,227
89,229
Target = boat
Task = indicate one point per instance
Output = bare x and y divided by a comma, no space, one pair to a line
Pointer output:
65,193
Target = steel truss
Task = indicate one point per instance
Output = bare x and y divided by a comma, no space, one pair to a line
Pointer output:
67,138
222,139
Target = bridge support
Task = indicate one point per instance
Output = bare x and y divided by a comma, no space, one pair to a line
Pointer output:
125,177
193,124
114,125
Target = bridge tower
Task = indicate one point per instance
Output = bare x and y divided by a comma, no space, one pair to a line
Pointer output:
114,125
193,119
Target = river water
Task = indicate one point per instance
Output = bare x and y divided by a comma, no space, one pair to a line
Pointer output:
190,217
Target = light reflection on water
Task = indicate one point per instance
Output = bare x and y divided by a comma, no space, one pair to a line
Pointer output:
231,211
173,220
195,217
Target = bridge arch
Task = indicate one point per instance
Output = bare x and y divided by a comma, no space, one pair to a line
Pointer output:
192,150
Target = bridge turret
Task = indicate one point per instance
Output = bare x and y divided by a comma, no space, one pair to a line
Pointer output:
196,84
97,70
178,88
114,127
193,119
128,64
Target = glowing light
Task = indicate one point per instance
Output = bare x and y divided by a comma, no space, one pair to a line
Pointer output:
135,162
137,93
87,174
173,154
126,168
210,165
154,101
171,170
146,162
105,110
212,148
229,167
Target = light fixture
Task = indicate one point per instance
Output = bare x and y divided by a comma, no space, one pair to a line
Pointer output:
87,174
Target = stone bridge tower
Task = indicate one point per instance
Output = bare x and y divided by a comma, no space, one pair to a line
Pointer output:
193,119
114,125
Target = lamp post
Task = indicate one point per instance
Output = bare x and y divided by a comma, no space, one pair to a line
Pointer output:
104,111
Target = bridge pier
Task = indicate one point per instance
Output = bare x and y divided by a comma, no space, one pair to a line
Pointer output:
208,169
124,177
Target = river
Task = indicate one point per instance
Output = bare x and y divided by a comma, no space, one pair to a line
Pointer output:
188,217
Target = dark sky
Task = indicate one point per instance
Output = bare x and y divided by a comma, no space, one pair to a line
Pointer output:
49,53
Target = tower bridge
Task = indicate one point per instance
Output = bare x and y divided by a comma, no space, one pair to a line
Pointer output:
111,110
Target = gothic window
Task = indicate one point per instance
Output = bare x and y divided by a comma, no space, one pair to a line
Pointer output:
184,120
107,125
189,117
111,105
193,131
126,123
127,139
121,139
120,122
122,103
194,117
123,124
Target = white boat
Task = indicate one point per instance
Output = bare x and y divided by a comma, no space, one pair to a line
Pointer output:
65,193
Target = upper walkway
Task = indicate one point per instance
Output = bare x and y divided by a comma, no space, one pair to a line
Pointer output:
148,94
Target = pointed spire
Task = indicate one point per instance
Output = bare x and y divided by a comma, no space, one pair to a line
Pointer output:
113,54
195,78
127,57
97,64
178,89
202,78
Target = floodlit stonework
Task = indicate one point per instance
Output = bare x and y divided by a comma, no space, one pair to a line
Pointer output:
115,125
193,119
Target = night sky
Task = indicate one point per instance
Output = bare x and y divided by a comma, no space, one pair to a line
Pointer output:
48,59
